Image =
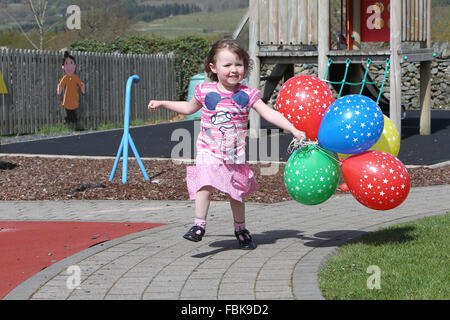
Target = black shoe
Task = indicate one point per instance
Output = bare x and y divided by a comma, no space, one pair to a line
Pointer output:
192,234
247,243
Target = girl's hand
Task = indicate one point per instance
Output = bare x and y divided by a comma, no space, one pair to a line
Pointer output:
299,135
153,105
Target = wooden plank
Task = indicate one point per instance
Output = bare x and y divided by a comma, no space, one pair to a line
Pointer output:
146,80
135,69
413,13
94,87
416,20
121,83
292,7
55,73
302,15
263,24
407,19
9,101
49,86
428,23
22,87
356,39
404,20
13,89
115,88
323,36
312,21
4,109
283,19
254,81
425,78
273,22
425,98
420,21
395,71
34,93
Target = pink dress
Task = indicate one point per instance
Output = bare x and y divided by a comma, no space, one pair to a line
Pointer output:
220,161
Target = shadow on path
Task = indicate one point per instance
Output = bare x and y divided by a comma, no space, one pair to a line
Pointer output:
330,238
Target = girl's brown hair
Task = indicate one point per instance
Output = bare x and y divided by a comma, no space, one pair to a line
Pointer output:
229,44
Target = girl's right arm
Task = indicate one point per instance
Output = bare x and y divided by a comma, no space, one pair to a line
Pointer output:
182,107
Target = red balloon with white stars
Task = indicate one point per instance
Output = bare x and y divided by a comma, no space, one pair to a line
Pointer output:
378,180
303,100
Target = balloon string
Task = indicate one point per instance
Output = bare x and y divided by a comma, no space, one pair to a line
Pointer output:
295,145
330,156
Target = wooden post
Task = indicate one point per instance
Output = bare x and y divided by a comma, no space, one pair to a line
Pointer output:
323,36
254,77
355,72
425,82
356,34
395,75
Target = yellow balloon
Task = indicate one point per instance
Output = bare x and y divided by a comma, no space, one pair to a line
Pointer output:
389,140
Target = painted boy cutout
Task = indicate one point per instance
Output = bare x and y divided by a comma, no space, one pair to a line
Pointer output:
69,82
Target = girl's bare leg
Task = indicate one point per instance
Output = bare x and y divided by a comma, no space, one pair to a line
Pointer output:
238,209
202,201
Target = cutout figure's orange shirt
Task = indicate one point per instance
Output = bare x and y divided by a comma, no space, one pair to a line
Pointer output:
69,84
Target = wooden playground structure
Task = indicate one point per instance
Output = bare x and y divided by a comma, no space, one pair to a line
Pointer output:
289,32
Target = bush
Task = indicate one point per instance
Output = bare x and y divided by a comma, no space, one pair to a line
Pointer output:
189,53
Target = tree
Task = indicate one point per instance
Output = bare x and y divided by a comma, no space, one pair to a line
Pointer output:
39,10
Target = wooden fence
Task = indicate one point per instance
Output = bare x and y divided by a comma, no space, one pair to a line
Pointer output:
31,78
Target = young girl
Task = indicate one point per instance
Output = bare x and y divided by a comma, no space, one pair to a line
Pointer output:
220,161
70,82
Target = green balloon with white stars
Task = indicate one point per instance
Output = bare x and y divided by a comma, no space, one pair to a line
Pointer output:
311,175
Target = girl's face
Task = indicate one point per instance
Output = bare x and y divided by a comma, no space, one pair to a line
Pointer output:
69,66
229,68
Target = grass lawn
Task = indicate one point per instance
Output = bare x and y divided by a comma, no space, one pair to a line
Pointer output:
413,259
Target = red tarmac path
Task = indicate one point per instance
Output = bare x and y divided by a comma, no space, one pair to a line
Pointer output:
27,247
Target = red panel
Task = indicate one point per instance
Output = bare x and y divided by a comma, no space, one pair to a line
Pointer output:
26,247
375,20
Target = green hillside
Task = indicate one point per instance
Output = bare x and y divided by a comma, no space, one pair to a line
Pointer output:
202,24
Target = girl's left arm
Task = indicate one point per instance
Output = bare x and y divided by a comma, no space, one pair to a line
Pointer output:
276,118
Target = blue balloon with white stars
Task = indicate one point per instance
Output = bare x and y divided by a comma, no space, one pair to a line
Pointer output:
351,124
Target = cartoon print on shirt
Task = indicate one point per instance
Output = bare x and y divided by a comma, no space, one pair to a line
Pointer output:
230,141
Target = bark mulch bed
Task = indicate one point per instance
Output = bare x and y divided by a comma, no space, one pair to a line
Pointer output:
36,178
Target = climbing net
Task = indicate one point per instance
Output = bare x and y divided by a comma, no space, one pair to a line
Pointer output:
364,80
